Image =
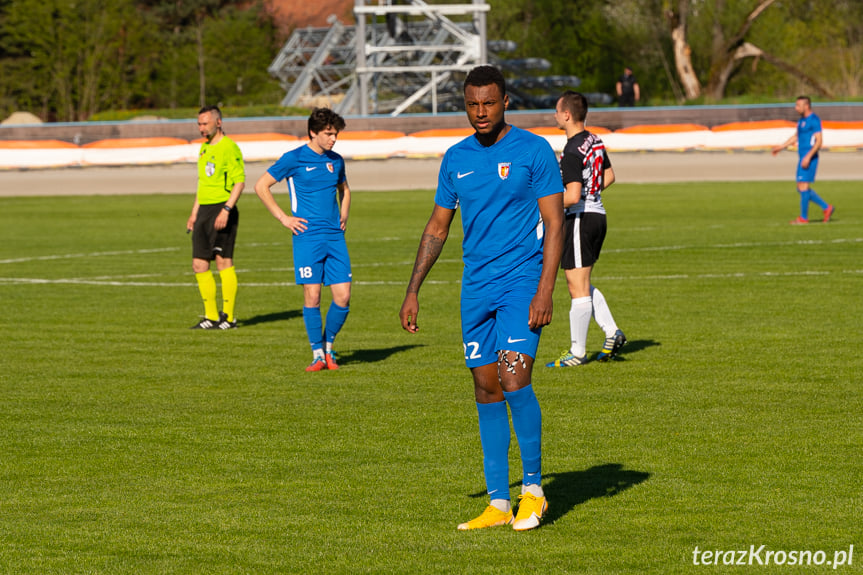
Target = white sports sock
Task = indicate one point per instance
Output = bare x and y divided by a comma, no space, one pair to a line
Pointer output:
535,489
602,313
502,504
579,321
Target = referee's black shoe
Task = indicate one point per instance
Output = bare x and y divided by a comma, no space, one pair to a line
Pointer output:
207,324
224,323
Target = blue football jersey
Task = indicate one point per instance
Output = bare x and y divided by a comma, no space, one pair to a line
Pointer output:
497,189
312,182
806,129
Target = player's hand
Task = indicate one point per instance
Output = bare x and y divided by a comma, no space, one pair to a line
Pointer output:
221,220
190,224
296,225
804,163
408,313
540,311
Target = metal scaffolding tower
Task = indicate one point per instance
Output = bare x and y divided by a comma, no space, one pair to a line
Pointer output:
399,57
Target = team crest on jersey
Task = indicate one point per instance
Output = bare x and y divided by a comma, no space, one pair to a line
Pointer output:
210,169
503,170
330,167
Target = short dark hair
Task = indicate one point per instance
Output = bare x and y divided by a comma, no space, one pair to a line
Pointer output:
485,75
323,118
575,103
215,109
807,98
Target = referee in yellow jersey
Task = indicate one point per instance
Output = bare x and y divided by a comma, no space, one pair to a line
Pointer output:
214,218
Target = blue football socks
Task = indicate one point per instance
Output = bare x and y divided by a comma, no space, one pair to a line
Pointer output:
527,422
494,435
810,195
314,326
804,204
816,199
336,317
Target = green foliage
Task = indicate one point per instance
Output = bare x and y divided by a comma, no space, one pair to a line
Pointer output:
240,47
132,444
71,60
186,113
584,39
595,38
68,61
78,55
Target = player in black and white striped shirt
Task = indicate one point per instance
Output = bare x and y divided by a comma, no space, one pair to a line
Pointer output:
586,171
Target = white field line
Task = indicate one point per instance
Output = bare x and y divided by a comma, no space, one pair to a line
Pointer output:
89,255
134,280
607,250
188,284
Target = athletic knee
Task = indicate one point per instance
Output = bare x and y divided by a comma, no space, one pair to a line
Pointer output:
200,266
514,370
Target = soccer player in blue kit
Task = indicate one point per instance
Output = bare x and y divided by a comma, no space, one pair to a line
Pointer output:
320,205
507,183
808,138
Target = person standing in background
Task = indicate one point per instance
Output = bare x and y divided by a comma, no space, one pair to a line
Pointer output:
215,218
809,139
586,171
628,90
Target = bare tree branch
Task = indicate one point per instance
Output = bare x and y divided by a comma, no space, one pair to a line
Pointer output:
748,50
747,23
782,64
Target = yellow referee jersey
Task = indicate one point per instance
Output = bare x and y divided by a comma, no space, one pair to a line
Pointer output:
220,167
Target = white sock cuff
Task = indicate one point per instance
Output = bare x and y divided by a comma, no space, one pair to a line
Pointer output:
535,490
582,301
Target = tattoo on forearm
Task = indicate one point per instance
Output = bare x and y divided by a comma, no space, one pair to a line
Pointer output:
429,250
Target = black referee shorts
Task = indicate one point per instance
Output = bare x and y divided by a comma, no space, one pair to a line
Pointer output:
207,243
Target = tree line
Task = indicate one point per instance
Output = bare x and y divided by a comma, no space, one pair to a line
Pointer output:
66,60
700,51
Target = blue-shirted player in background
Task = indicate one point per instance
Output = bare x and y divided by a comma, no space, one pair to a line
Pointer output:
320,205
809,141
507,183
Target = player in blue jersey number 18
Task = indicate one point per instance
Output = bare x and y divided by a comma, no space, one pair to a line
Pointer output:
320,205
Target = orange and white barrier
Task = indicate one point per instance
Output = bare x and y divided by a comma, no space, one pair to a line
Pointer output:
382,144
133,151
38,154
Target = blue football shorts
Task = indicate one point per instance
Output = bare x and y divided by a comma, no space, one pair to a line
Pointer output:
321,259
495,322
807,175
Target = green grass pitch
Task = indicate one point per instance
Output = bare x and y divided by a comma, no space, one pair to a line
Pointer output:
131,444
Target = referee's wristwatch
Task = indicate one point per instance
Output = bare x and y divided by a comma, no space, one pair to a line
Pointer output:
227,208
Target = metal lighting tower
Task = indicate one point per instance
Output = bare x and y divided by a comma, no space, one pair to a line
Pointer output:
399,55
422,48
316,63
